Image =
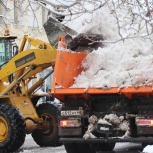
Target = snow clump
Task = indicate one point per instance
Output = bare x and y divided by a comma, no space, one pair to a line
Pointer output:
148,149
118,65
107,120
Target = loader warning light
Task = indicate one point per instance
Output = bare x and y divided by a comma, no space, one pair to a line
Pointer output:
6,32
145,122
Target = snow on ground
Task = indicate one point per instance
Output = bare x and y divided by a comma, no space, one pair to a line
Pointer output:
148,149
31,147
28,136
26,151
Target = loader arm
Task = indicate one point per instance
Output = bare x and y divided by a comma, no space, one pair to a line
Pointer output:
40,57
43,56
36,43
18,72
18,98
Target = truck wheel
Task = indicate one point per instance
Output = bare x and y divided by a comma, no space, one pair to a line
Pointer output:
12,128
79,148
70,148
49,136
146,144
106,146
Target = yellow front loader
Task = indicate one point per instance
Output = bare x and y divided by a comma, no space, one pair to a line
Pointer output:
18,112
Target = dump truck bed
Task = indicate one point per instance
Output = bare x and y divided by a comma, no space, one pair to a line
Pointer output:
68,66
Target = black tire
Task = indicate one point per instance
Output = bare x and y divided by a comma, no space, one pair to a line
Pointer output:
146,144
47,137
105,146
78,148
13,135
70,148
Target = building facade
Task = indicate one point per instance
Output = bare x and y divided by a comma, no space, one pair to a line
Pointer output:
24,17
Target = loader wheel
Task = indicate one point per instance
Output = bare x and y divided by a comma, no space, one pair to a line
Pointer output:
78,148
48,136
12,128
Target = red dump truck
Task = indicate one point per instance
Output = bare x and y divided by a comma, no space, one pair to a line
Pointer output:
95,119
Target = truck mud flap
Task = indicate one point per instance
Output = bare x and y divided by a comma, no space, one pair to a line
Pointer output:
107,140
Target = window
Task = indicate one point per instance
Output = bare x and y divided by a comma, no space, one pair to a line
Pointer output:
3,11
5,50
18,17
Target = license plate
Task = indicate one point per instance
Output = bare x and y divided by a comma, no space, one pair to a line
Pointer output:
71,113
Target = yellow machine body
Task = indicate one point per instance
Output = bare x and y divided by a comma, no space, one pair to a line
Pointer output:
22,68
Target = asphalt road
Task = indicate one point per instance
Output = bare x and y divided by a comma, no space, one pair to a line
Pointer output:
31,147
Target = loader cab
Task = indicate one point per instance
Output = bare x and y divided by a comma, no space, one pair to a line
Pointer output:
8,49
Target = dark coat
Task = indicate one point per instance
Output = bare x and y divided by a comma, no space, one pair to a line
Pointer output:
50,98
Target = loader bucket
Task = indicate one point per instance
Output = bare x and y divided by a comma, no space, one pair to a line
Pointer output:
75,41
85,41
54,29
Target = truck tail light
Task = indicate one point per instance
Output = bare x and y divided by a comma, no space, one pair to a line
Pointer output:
143,122
70,123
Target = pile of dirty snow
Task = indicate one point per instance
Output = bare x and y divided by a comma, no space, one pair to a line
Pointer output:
26,151
106,122
121,64
118,65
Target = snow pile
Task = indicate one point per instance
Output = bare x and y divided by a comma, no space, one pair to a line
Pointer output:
118,122
107,121
121,64
118,65
148,149
26,151
6,83
92,125
103,121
